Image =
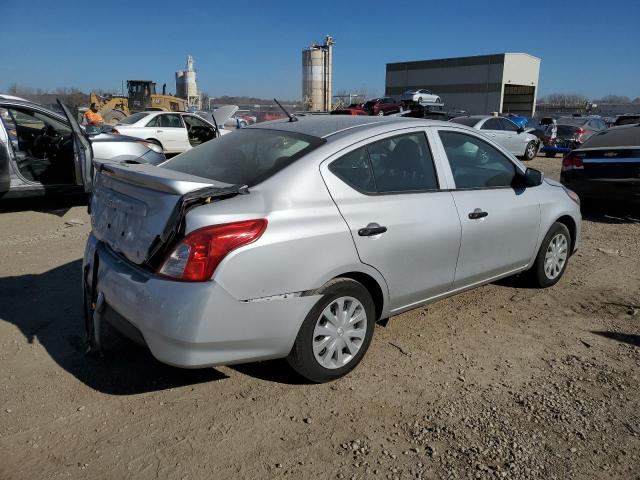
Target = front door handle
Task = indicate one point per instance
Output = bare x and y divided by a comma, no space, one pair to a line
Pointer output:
477,213
158,131
371,229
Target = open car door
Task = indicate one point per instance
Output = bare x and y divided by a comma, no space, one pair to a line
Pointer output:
5,180
83,154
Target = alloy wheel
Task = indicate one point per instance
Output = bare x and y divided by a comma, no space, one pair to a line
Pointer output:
339,332
556,256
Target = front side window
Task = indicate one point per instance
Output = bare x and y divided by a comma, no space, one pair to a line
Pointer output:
508,125
476,164
393,165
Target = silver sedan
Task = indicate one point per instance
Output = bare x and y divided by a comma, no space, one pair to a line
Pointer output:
293,238
504,132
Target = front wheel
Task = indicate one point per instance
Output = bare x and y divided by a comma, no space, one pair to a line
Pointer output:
336,333
530,150
552,257
381,113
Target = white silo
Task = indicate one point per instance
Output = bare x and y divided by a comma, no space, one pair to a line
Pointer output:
186,85
317,75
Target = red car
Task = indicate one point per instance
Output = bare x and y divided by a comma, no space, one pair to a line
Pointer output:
382,106
349,111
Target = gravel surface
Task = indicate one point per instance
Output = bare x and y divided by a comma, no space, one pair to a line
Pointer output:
499,382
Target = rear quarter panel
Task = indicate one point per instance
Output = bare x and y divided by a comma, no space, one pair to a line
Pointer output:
306,243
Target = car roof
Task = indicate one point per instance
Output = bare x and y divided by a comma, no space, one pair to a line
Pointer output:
621,136
10,102
324,126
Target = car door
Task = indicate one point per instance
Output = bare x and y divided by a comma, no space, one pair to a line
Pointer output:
500,221
492,127
402,218
83,153
5,156
172,133
514,142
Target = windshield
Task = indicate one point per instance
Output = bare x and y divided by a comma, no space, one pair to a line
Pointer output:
131,119
246,157
468,121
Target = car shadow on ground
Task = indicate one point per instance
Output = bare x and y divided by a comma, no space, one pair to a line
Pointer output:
620,337
610,213
47,309
54,205
277,371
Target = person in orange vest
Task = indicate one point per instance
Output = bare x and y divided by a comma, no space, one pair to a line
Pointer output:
92,117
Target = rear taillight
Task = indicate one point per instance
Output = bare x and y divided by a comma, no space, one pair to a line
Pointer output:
579,132
196,257
572,162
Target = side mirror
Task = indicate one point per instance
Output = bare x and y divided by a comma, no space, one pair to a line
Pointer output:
92,130
520,129
532,177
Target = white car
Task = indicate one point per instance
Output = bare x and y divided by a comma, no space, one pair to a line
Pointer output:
175,132
503,131
421,95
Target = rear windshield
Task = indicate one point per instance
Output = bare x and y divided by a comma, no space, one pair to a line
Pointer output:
577,121
131,119
566,130
615,137
469,122
244,157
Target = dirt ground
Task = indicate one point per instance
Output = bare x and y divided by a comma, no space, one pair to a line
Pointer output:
500,382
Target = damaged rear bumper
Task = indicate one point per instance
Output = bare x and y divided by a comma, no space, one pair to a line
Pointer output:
195,324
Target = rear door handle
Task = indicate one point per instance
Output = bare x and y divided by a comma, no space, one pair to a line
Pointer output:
158,131
477,213
371,229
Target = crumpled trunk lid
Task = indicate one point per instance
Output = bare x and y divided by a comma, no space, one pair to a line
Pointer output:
138,210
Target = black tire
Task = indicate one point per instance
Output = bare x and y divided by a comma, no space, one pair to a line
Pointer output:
530,150
537,275
302,359
549,154
419,99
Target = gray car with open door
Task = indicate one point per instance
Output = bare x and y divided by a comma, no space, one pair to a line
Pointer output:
44,153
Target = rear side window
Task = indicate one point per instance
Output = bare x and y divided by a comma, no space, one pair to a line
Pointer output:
170,121
246,157
355,170
393,165
492,124
476,164
131,119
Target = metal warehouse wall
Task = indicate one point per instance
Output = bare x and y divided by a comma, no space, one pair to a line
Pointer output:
475,84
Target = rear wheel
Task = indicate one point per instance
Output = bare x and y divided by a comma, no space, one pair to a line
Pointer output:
530,150
552,257
155,141
419,99
336,332
381,113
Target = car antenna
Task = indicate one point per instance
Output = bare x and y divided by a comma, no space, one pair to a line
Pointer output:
292,118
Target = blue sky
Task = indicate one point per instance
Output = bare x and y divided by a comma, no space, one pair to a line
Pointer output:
253,48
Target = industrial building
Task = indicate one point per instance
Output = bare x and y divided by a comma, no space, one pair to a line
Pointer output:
317,75
504,82
187,86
